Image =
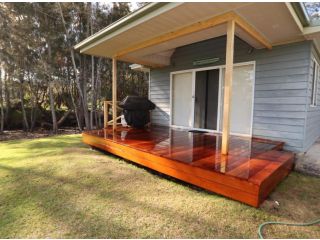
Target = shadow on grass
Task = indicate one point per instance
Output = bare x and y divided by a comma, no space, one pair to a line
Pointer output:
22,149
292,193
296,191
60,204
47,193
58,198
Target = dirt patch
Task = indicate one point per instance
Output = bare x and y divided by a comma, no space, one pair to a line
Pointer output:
309,162
38,133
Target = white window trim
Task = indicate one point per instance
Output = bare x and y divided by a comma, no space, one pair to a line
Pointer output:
314,83
221,81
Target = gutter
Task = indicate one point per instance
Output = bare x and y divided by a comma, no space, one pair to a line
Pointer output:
300,11
131,17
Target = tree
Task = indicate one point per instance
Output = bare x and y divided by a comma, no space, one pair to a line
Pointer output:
1,102
46,81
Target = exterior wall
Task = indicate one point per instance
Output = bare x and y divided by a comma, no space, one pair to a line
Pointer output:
313,112
281,82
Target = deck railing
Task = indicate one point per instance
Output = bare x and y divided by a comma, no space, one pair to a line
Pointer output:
106,106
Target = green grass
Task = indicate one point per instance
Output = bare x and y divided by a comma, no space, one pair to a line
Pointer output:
58,188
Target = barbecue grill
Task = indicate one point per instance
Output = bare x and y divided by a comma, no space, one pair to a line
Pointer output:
136,110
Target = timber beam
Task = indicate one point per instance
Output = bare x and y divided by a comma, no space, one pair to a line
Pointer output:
196,27
244,25
139,61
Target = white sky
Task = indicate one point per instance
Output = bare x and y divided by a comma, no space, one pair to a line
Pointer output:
133,4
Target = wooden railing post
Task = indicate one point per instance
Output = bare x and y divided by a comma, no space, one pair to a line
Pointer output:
105,113
114,93
228,87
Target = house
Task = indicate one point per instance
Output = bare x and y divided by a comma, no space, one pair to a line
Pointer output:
237,70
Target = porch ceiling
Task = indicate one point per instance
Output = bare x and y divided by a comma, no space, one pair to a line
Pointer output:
272,21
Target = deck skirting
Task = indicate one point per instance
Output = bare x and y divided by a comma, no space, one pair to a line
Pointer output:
271,167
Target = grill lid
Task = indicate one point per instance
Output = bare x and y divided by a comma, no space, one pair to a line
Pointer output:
136,103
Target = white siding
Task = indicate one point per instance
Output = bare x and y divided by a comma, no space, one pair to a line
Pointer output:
313,112
281,97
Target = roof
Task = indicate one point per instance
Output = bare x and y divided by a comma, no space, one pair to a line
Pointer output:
120,23
157,20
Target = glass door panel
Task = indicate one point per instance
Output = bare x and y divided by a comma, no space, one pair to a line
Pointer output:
206,99
182,101
242,99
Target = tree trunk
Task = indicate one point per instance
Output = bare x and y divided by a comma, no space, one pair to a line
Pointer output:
76,73
70,89
33,118
77,115
32,111
93,92
33,101
1,105
7,97
98,94
84,77
24,115
76,111
64,117
53,112
50,83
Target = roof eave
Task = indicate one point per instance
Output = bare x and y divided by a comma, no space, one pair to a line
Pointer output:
301,13
120,23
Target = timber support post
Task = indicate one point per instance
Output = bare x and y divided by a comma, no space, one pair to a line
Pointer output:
105,113
114,93
228,87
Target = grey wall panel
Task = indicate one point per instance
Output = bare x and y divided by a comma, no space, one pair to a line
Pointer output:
281,81
313,112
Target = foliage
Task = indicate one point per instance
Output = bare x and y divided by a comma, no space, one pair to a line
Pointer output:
36,66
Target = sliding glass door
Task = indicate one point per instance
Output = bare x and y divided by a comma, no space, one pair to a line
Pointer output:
197,99
242,99
206,99
181,99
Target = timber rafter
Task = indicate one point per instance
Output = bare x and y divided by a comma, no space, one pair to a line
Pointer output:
196,27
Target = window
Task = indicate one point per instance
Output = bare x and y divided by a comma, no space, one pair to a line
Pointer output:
314,86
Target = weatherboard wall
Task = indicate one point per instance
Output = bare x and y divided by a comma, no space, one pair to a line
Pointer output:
281,82
313,112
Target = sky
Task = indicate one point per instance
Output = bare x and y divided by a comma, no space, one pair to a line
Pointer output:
133,4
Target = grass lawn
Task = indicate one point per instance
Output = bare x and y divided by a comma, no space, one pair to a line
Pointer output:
57,187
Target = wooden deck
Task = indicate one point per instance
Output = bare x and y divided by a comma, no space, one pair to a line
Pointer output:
248,174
